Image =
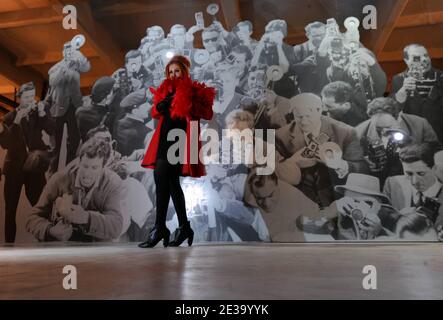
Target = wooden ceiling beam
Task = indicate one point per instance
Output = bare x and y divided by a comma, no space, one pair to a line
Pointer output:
231,12
137,7
88,81
51,57
7,89
394,10
421,19
28,17
19,75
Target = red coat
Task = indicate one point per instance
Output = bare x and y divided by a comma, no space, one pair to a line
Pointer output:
192,101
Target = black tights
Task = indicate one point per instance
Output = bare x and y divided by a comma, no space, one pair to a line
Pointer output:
167,184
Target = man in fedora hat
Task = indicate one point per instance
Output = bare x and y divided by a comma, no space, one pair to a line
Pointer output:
363,213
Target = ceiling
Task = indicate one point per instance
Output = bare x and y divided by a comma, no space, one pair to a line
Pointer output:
32,36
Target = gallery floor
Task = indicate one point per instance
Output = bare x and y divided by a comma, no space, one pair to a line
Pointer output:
223,271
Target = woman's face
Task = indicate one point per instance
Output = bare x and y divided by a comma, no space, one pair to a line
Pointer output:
175,71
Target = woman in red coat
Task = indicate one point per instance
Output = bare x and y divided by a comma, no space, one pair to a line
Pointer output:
177,102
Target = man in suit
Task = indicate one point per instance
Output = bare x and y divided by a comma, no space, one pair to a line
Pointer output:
419,89
385,114
418,189
299,142
243,32
137,72
360,69
315,32
27,155
306,57
273,51
65,97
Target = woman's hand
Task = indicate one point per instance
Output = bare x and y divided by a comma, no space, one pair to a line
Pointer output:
164,105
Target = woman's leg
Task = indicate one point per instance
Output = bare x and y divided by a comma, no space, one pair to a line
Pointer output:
162,191
177,194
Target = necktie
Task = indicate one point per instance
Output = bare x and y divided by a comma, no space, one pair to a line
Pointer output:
420,200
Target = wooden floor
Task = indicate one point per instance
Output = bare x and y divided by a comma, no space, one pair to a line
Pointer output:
247,271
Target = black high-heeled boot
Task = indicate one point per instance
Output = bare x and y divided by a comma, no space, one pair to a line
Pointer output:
181,234
155,236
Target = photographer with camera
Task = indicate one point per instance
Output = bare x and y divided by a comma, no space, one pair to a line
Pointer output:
379,140
363,213
64,96
272,51
137,72
341,60
419,187
27,157
301,140
243,32
419,89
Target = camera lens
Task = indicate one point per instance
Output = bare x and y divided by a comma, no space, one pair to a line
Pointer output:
357,214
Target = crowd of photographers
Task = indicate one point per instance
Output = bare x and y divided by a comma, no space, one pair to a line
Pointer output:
352,162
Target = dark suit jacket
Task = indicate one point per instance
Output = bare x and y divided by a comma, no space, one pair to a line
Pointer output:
418,128
290,139
317,182
20,139
429,108
89,116
130,135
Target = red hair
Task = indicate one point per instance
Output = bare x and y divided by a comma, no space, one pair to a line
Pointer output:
182,62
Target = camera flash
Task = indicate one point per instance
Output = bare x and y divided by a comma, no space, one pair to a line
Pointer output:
398,136
169,54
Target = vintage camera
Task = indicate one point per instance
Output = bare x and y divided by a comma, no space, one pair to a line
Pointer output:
122,82
362,210
337,53
199,20
417,69
311,150
268,41
332,29
377,154
430,208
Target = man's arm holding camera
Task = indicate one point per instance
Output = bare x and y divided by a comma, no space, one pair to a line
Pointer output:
401,85
39,222
377,74
106,224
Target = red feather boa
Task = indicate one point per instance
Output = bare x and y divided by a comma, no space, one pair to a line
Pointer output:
192,100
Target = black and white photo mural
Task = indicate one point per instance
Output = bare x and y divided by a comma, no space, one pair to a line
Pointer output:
350,162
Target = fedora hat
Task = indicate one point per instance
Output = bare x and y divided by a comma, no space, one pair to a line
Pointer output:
363,184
